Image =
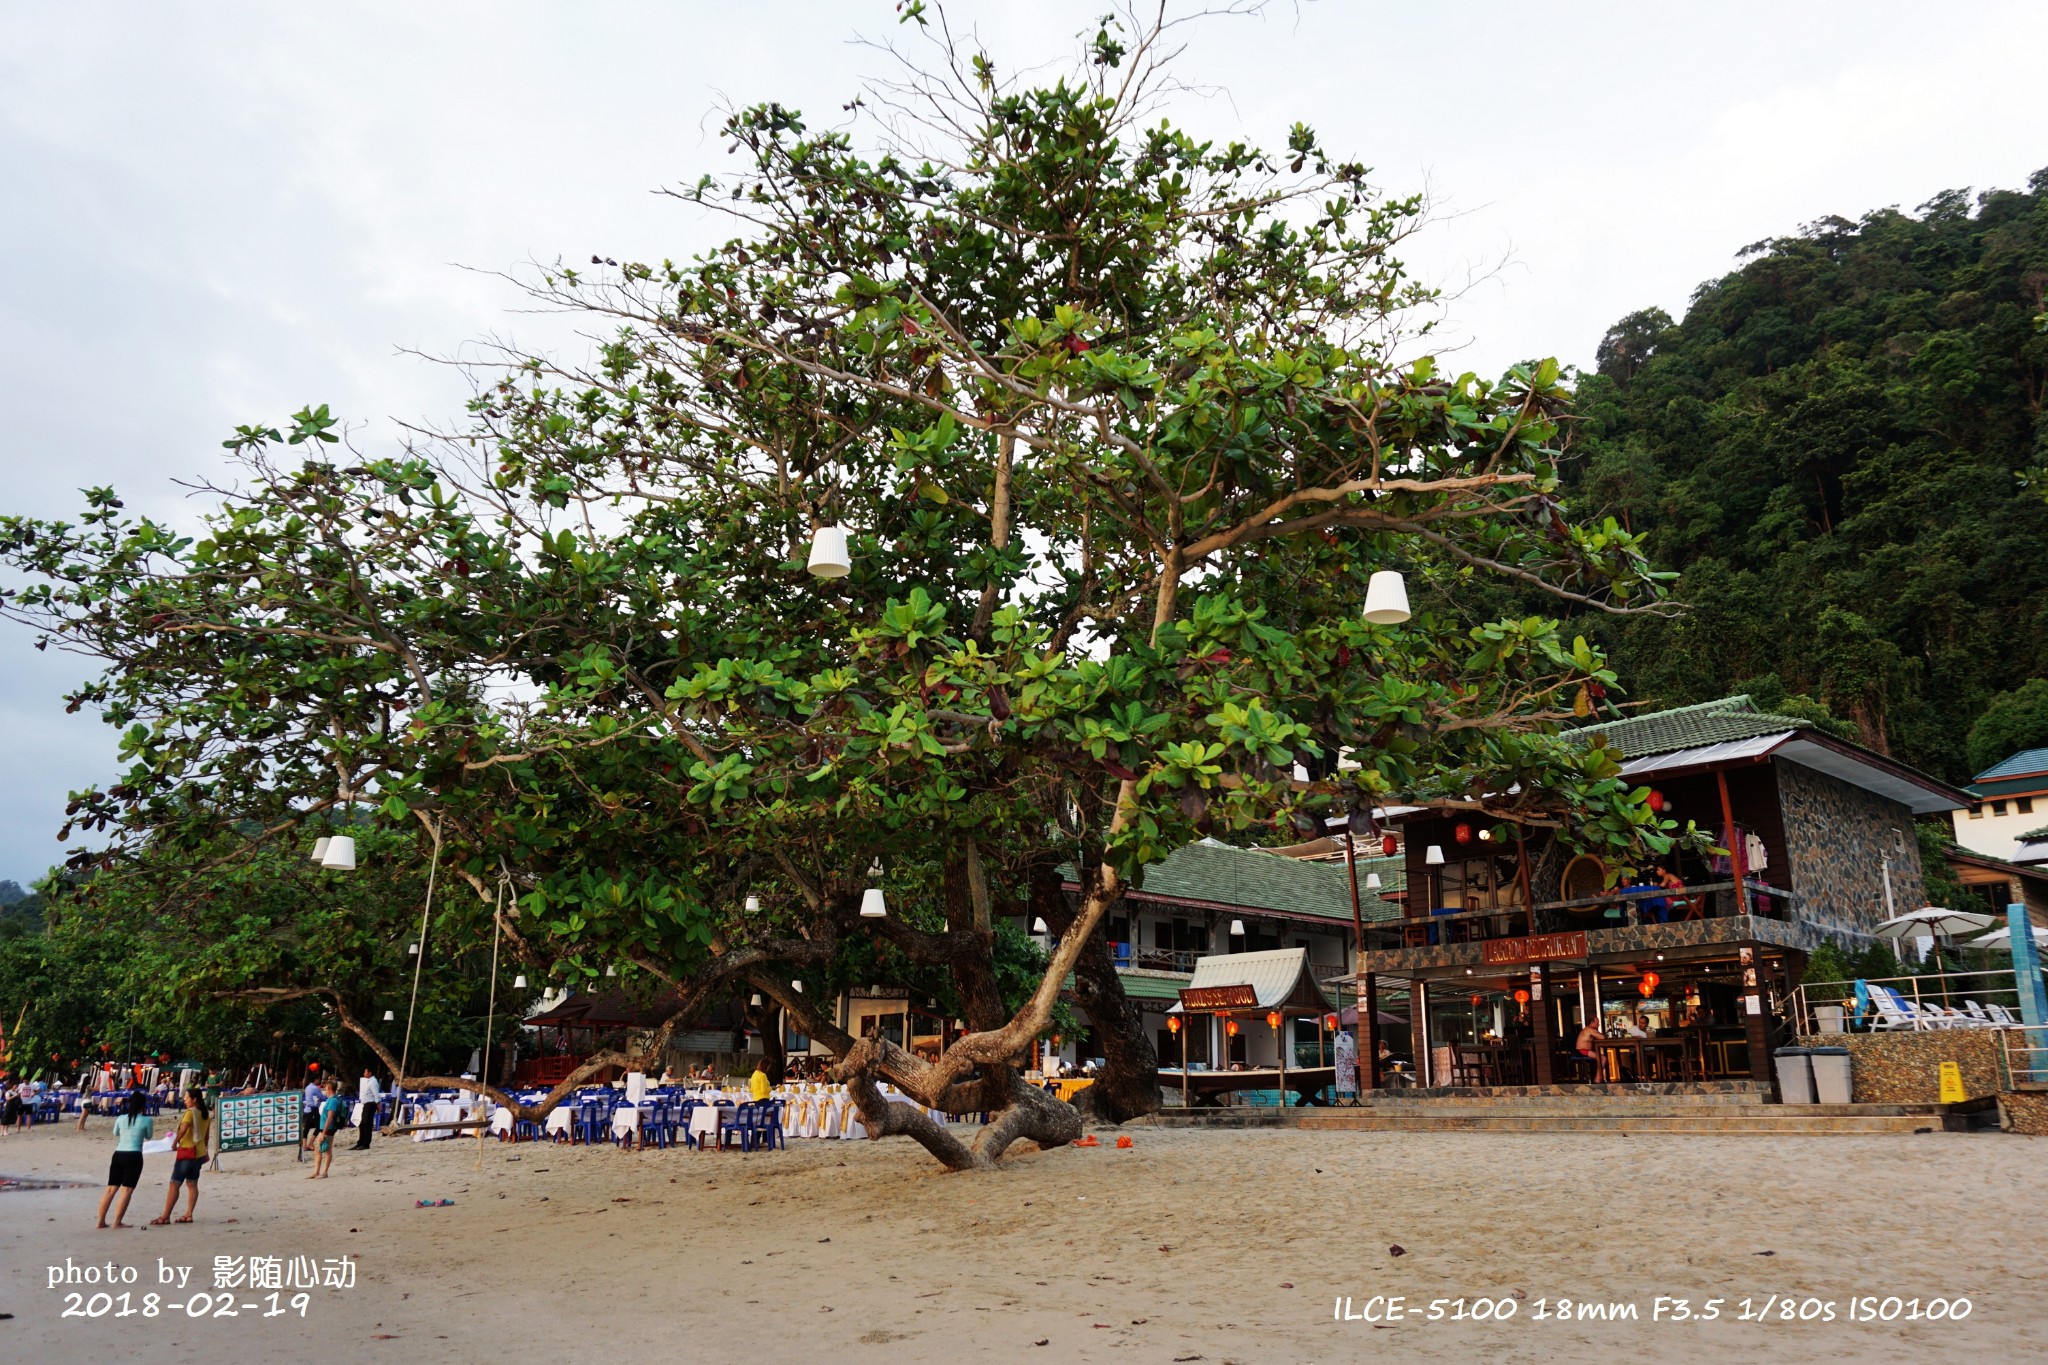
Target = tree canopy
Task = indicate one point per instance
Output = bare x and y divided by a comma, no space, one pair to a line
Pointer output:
1834,449
1118,424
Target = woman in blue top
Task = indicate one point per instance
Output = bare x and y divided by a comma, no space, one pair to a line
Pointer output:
131,1130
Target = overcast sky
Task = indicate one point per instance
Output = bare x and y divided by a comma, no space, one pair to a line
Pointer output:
213,213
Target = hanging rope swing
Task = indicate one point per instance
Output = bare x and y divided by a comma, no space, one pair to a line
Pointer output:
419,960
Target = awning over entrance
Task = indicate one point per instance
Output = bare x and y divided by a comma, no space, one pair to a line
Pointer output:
1276,980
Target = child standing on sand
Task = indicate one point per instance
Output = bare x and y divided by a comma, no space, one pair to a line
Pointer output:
333,1113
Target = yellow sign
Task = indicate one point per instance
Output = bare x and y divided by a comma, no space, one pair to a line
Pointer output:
1951,1083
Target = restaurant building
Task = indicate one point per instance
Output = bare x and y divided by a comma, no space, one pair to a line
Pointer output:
1211,899
1508,944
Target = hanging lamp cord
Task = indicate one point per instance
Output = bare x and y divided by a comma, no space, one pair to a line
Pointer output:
491,1015
405,1058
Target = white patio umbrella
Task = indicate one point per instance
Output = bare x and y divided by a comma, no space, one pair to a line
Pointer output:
1935,922
2003,938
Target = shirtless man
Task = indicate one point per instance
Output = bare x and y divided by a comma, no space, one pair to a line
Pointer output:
1587,1045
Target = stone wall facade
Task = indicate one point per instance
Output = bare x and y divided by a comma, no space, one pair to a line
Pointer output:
1905,1068
1837,838
2023,1111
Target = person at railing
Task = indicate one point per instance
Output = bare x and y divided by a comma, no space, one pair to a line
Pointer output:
1676,907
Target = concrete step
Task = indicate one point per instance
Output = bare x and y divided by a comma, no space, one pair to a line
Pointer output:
1566,1103
1641,1108
1231,1116
1774,1119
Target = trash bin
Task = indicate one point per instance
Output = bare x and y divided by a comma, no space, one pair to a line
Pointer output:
1829,1017
1795,1075
1831,1074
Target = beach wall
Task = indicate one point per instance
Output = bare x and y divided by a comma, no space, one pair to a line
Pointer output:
2024,1111
1905,1068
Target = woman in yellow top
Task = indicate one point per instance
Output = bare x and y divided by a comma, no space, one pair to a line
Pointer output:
758,1083
188,1154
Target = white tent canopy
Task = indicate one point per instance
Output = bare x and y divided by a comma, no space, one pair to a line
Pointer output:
1281,979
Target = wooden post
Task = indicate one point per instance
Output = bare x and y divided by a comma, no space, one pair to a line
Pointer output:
1539,1024
1734,844
1589,1011
1369,1033
1755,1023
1418,1030
1528,892
1357,915
1280,1044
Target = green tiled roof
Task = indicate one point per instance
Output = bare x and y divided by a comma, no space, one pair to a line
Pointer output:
1692,727
1143,985
2021,764
1223,875
2033,834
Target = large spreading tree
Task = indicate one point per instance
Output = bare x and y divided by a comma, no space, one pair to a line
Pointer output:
1118,426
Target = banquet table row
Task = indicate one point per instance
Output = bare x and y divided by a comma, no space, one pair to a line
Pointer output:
809,1110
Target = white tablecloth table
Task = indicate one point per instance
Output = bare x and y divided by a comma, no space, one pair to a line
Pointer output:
440,1111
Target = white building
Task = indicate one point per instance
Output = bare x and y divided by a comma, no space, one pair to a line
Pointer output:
2008,801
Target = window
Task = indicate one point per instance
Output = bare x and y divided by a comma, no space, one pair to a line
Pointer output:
1998,807
1976,810
1479,884
2025,805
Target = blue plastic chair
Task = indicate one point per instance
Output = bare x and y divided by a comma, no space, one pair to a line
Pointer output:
683,1121
741,1129
768,1126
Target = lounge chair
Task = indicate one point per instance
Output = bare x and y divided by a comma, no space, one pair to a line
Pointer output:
1893,1012
2000,1018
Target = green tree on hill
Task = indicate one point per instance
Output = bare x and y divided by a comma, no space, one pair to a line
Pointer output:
1829,446
2013,721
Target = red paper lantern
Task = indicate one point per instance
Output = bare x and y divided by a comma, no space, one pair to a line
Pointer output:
1330,1022
1475,1000
1463,834
1521,997
312,1066
1389,845
1230,1027
1173,1023
1648,985
1657,802
1273,1020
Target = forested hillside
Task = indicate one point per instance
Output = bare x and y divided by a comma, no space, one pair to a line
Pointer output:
1831,447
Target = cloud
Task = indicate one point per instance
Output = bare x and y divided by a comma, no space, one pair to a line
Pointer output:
216,212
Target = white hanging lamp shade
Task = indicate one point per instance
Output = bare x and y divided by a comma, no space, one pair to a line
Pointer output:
1372,881
519,982
1386,599
797,986
872,905
320,848
1237,928
1435,856
1038,925
389,1016
340,853
611,971
753,905
755,1000
412,950
829,558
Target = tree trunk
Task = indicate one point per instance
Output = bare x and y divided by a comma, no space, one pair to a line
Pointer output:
1028,1112
767,1020
1129,1083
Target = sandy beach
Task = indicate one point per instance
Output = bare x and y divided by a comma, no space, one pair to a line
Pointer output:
1214,1246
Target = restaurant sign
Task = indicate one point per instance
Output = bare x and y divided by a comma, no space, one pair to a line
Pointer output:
1504,952
1219,998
